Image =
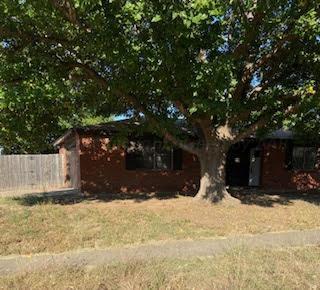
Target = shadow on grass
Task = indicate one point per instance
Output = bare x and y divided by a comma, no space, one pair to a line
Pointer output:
37,199
74,198
265,198
246,196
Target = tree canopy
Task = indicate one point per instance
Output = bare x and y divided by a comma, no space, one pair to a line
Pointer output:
228,68
34,115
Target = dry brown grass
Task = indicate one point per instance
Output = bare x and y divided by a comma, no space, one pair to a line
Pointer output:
240,269
33,225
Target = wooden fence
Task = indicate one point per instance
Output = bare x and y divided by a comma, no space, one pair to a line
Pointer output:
36,172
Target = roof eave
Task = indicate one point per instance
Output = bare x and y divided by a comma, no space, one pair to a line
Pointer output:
62,139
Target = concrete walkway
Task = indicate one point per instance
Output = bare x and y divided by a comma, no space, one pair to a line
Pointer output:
169,249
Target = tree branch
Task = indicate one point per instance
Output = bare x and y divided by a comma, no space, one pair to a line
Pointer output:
251,129
244,50
25,38
263,121
277,49
189,147
13,81
244,82
69,12
29,38
252,21
253,95
67,9
243,86
92,74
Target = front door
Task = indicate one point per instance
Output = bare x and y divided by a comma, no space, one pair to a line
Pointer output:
255,167
238,164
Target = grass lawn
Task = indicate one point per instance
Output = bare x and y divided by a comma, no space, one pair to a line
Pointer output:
295,268
33,224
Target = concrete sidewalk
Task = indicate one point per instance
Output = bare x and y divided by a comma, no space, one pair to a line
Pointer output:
170,249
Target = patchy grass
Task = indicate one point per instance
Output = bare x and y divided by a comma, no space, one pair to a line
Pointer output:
297,268
33,224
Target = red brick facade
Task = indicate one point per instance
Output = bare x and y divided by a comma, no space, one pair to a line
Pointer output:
104,170
275,175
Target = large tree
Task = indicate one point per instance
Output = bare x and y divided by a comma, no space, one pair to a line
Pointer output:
227,68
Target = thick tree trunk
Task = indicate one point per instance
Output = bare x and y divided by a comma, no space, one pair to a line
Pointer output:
213,175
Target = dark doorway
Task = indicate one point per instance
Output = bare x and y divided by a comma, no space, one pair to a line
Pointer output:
238,163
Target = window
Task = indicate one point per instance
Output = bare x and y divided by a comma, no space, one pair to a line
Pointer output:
152,156
304,158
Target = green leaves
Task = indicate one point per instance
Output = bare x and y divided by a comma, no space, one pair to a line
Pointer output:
217,59
310,20
156,18
193,109
197,19
134,9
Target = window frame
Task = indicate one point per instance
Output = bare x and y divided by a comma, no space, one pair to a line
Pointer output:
154,157
305,150
155,153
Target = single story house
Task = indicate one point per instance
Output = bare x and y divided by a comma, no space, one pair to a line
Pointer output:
93,165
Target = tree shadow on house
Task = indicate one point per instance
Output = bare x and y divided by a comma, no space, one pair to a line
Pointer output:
270,198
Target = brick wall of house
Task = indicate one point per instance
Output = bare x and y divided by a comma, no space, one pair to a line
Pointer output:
104,170
275,175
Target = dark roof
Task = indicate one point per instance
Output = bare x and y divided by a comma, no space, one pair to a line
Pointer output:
107,128
115,126
281,134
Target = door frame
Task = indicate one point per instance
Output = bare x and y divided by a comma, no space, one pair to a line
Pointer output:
259,166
